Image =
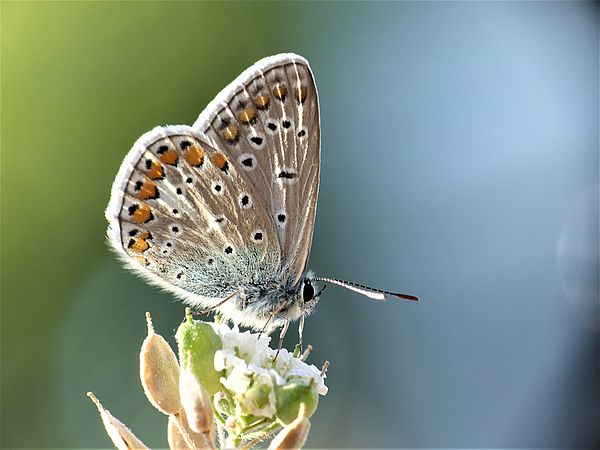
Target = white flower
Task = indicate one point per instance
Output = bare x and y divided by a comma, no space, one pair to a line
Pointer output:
251,376
299,369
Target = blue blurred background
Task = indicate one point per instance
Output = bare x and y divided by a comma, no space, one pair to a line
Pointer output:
460,163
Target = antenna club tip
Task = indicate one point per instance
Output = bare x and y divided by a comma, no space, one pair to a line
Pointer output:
377,294
412,298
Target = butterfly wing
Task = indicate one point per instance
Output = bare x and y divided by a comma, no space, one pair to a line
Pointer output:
268,119
189,219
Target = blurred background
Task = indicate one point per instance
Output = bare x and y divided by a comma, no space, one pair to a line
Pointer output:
459,163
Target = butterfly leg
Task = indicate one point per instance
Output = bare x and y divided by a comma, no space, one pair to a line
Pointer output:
301,331
212,308
265,326
282,334
324,368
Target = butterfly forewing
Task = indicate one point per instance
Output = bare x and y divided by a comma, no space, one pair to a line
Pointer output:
267,123
180,209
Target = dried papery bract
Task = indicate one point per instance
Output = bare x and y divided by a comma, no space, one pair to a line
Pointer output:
192,440
293,435
176,440
159,372
122,437
196,402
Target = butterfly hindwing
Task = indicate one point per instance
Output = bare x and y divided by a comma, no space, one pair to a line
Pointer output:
182,214
267,122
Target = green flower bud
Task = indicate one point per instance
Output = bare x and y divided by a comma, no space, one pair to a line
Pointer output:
198,343
256,399
291,395
223,404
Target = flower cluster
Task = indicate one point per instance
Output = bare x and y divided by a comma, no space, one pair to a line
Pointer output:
250,364
228,384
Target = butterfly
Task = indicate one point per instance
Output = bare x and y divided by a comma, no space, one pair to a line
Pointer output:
222,212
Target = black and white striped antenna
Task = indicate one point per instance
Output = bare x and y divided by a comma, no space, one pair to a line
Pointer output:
376,294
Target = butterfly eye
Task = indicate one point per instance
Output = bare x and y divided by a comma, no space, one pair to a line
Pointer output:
308,291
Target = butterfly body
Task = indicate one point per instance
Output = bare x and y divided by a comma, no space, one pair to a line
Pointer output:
222,212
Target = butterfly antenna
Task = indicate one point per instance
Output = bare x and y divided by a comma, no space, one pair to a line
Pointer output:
321,291
376,294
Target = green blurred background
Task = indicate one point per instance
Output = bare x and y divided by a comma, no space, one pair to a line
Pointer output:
460,162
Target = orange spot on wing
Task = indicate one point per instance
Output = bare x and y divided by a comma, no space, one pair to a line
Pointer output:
156,171
142,214
148,191
140,244
247,115
262,101
231,133
194,156
300,93
220,161
280,92
169,157
143,261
